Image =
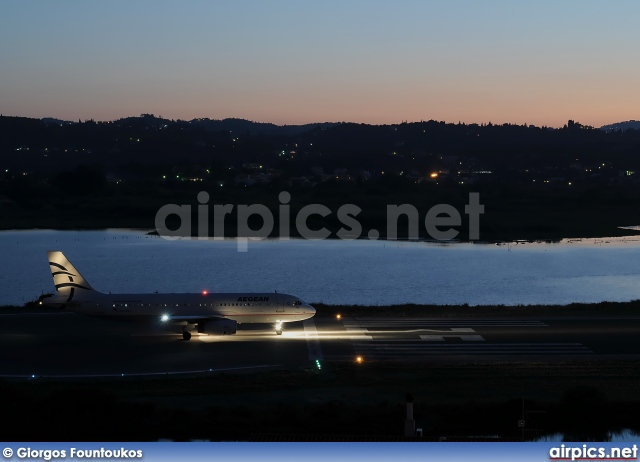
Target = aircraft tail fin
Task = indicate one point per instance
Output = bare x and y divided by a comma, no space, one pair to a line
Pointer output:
66,278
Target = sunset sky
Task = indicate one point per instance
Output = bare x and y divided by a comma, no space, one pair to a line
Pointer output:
292,62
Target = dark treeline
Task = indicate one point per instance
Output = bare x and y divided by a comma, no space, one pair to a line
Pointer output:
33,145
536,182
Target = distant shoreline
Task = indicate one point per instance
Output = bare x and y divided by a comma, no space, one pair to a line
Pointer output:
625,232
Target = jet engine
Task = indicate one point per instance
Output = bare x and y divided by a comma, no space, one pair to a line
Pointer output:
217,327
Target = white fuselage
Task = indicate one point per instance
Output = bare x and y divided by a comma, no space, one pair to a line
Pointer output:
240,307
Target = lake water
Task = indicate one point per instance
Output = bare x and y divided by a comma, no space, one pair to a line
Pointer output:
621,436
350,272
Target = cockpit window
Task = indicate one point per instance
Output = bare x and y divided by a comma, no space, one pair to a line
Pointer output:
297,303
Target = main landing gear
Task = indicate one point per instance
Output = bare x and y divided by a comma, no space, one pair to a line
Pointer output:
279,328
186,335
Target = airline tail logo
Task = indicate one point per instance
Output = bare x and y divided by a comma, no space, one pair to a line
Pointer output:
65,277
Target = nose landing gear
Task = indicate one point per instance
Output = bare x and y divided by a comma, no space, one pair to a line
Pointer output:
279,328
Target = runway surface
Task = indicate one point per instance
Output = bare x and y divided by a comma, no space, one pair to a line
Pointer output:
69,345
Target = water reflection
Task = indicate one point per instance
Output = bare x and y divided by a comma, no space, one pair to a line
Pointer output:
611,436
351,272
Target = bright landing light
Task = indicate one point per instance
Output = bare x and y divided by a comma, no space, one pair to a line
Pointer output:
164,318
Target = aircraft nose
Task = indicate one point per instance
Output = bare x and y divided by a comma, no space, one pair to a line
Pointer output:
311,310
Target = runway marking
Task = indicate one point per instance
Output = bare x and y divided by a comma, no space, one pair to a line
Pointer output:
367,335
391,323
453,330
437,318
313,343
368,328
387,349
463,333
357,333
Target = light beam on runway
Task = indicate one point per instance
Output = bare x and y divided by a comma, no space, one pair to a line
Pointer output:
313,343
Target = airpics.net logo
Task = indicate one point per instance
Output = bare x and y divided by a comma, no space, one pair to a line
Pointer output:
590,452
441,222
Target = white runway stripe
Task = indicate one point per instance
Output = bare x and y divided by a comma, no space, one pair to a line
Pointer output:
454,344
381,319
442,319
462,346
365,324
451,332
357,333
400,349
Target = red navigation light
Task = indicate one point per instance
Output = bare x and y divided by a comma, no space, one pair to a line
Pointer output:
204,292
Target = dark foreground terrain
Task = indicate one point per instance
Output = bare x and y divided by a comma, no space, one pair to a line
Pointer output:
585,397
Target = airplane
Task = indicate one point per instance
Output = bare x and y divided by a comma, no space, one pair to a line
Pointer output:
207,313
